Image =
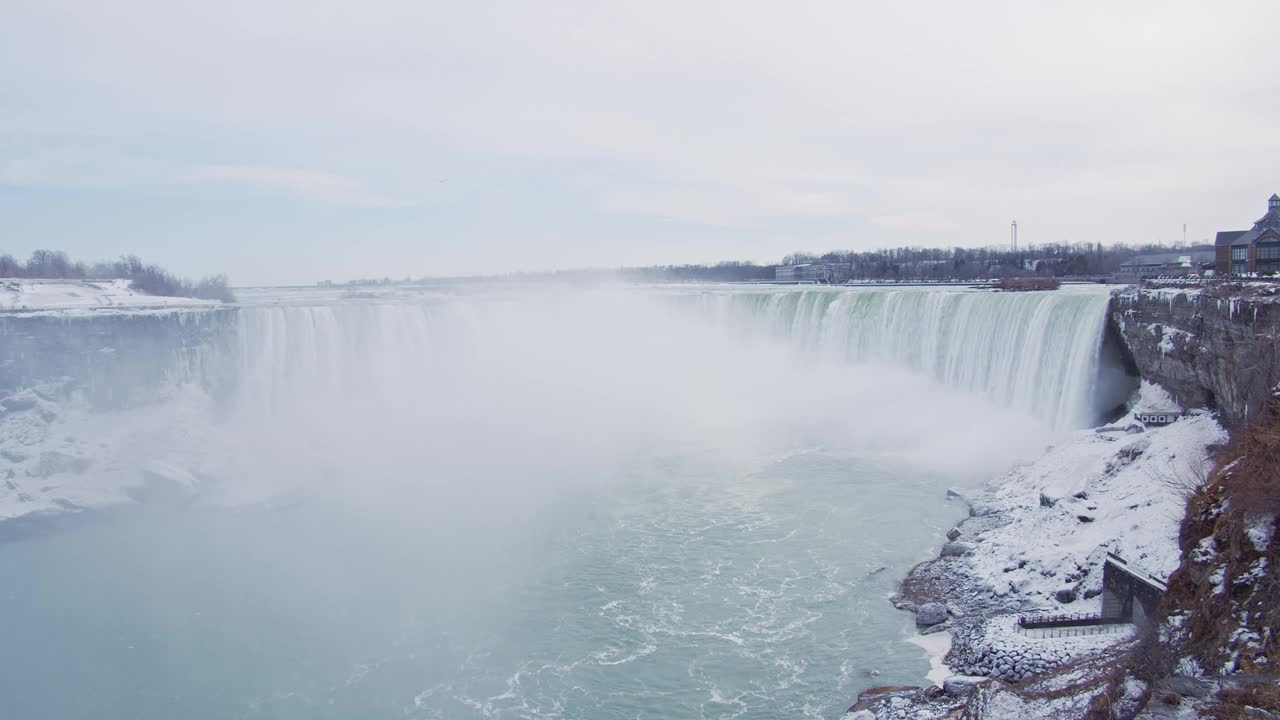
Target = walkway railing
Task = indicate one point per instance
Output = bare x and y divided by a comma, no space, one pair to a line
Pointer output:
1069,625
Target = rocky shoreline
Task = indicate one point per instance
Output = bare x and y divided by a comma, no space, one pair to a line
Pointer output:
1033,543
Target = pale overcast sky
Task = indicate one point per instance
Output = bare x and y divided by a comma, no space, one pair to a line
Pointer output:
288,141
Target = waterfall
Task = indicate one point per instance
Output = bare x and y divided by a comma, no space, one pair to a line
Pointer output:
313,357
1034,351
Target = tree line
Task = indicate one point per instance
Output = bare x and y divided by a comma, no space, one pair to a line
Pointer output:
920,263
142,277
1050,259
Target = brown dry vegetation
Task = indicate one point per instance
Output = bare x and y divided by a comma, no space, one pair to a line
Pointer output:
1236,703
1243,492
1253,484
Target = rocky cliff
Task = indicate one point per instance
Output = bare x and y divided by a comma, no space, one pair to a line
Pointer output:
94,403
1211,346
116,359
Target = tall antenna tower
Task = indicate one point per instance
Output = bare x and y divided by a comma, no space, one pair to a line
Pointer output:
1013,235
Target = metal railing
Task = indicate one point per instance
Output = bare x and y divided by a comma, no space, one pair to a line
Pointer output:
1070,624
1061,632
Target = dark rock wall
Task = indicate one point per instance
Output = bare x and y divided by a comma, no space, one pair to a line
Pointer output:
118,360
1212,348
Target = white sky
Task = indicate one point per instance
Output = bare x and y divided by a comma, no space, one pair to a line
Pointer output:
295,141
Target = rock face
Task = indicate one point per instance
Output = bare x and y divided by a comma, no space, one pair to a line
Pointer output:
117,360
1213,347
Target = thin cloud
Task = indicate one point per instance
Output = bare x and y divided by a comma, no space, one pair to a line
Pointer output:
325,187
745,129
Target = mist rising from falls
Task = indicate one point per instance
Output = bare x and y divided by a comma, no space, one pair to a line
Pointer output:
573,380
1034,351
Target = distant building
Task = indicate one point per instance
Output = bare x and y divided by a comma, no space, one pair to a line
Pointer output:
813,272
1251,251
1170,264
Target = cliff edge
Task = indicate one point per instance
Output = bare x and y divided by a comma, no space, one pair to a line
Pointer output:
1210,345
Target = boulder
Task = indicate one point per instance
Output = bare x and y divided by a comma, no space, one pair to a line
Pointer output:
931,614
961,685
24,400
954,533
980,509
1189,686
956,549
1065,595
165,484
954,494
891,694
940,627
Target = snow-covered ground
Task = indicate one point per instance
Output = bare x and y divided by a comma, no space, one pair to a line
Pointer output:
1036,545
1110,489
83,296
57,455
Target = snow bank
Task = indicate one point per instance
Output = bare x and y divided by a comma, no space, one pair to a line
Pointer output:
58,456
1099,492
936,646
1152,399
80,296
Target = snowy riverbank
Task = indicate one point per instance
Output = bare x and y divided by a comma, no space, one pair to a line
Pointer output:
72,298
104,398
1035,543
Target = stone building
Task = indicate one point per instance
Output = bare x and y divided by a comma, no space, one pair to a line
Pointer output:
1251,251
1129,591
1170,264
813,272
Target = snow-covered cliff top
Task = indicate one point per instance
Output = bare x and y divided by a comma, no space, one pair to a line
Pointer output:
84,297
1169,290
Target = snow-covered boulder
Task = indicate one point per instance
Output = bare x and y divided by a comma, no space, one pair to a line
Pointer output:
166,484
961,685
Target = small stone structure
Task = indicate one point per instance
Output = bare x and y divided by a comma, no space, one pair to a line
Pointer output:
1129,591
1129,595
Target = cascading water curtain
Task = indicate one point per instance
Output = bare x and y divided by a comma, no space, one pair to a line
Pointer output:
1034,351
